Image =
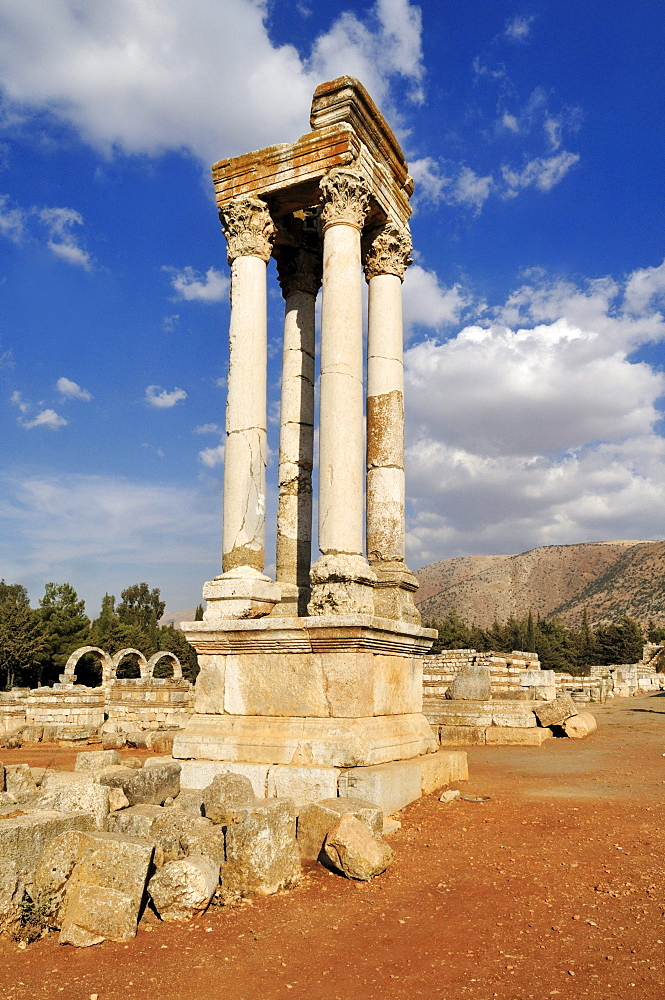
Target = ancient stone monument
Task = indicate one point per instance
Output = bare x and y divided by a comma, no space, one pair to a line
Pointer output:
320,669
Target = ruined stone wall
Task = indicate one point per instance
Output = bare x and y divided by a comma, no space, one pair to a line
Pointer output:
12,710
506,671
149,702
66,704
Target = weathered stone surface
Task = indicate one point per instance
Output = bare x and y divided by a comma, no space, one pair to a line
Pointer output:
154,784
162,742
471,684
19,782
113,741
32,733
60,779
461,735
117,799
105,891
302,784
199,773
392,786
317,819
7,799
2,777
580,725
38,774
12,889
54,868
24,837
226,791
95,760
179,835
498,736
449,796
87,798
261,851
440,768
555,713
190,800
182,889
134,762
513,717
115,776
355,850
136,821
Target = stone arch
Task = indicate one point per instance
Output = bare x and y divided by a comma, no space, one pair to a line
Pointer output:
118,657
165,654
69,676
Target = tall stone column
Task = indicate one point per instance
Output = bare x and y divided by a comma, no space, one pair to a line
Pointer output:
386,258
242,591
342,581
299,272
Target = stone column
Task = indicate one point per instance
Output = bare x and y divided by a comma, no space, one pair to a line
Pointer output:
342,581
386,258
242,591
299,272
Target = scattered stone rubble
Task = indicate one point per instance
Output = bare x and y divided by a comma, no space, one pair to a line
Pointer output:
85,851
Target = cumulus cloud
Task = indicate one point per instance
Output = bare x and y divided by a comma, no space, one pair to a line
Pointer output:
62,240
518,28
212,457
539,426
454,184
145,78
543,172
161,398
12,220
45,418
72,390
193,286
427,303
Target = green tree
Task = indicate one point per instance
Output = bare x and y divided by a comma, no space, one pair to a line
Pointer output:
139,611
198,614
453,632
21,640
620,641
65,627
171,639
107,631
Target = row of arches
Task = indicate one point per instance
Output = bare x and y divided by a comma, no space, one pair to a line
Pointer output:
110,663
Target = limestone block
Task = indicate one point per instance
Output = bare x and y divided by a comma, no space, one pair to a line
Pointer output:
64,779
105,890
19,782
275,684
162,742
200,773
514,718
95,760
462,735
54,868
209,693
317,819
302,784
461,713
555,713
392,786
178,835
117,799
32,733
12,889
2,777
113,741
153,784
6,799
261,850
190,800
87,798
38,774
135,821
115,776
472,683
441,768
182,889
24,837
226,791
503,736
355,850
580,725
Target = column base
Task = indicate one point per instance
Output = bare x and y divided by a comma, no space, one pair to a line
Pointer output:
394,590
242,592
342,584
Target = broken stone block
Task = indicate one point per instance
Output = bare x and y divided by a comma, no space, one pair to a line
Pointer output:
225,792
19,782
134,762
302,784
440,768
449,796
261,851
23,837
154,784
113,741
6,799
316,820
355,850
200,773
54,868
190,800
96,760
471,684
135,821
555,713
182,889
115,776
138,738
105,891
391,786
38,774
59,779
117,799
32,733
12,890
79,797
162,742
580,725
178,835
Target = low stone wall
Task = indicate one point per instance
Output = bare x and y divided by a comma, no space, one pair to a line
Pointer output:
149,702
12,710
66,704
514,676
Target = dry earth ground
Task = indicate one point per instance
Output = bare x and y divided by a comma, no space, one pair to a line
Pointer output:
555,887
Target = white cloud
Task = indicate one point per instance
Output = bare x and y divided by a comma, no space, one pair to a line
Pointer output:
62,241
427,303
148,77
539,428
459,185
12,220
162,398
191,285
72,390
518,28
209,429
543,172
46,418
16,399
211,457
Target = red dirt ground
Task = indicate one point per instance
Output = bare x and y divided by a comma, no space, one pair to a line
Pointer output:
554,887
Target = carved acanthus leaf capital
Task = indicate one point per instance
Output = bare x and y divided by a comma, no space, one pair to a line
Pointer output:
298,270
387,251
345,198
248,228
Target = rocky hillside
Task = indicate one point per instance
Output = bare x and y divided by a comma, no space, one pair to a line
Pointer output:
608,578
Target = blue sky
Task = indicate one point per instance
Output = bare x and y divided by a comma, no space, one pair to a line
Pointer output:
534,309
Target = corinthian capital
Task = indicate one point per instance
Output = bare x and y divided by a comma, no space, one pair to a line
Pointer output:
387,251
345,198
248,228
298,270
